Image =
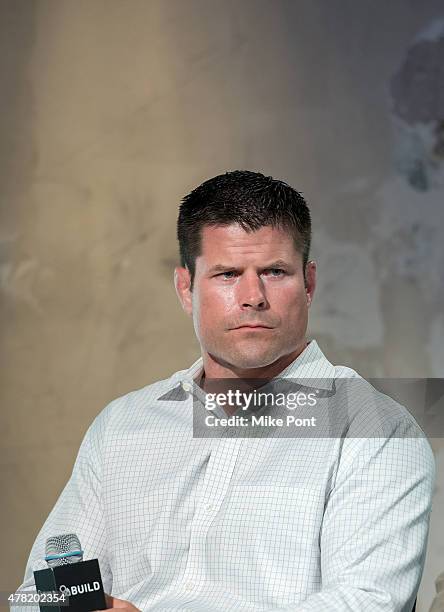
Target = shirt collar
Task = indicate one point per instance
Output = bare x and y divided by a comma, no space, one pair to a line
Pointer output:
311,366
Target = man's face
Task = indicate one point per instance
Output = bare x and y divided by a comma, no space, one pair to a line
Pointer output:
243,279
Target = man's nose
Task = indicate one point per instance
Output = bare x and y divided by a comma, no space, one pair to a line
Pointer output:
252,292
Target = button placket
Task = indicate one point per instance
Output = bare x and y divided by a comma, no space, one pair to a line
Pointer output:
214,488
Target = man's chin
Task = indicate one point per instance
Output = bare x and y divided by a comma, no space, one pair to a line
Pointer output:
249,361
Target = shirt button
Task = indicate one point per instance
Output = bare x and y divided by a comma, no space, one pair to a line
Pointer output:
209,507
186,386
189,586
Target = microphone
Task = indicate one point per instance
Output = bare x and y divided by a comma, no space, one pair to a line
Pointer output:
78,583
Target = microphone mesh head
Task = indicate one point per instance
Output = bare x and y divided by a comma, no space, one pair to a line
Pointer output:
61,544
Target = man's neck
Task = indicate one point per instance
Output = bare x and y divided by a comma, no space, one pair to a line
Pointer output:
266,372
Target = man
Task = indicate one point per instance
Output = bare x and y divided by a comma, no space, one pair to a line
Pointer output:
208,524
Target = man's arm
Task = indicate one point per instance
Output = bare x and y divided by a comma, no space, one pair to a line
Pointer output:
78,509
375,528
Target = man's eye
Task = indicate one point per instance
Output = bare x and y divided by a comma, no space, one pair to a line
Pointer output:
276,272
224,274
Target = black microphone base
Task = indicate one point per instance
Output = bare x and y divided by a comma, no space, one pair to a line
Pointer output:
81,581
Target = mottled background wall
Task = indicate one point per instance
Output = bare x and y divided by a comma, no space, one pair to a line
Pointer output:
112,110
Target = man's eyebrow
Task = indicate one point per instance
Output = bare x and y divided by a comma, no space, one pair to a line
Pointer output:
220,268
278,263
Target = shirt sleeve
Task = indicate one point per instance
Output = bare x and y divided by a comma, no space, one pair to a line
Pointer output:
375,527
78,510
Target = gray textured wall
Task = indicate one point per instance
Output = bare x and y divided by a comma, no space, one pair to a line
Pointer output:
110,112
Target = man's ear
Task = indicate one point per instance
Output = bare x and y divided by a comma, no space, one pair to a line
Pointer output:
182,283
310,281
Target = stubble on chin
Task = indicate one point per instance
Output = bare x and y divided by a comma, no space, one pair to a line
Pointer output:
245,357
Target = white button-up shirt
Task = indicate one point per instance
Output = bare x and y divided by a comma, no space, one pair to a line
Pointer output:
246,524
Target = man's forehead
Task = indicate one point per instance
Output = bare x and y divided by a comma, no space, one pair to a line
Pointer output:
234,234
229,244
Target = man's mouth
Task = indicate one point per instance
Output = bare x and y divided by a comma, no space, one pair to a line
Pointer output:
253,326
